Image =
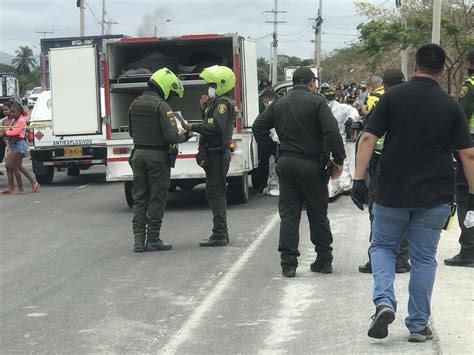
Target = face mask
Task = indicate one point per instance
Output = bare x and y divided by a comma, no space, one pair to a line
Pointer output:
211,92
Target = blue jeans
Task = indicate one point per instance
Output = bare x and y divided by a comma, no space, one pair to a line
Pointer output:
424,228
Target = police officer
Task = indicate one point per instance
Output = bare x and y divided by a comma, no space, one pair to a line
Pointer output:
219,114
155,136
376,83
308,133
466,99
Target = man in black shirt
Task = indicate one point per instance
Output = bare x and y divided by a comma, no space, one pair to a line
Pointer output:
423,127
308,132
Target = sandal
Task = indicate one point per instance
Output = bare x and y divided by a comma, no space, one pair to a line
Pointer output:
35,188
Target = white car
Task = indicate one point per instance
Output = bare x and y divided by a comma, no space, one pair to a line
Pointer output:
35,93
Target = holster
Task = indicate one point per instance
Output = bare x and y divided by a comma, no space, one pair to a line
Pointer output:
326,165
172,154
132,153
201,157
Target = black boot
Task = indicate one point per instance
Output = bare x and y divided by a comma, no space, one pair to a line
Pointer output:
288,270
139,246
214,241
322,265
460,260
157,245
366,268
402,266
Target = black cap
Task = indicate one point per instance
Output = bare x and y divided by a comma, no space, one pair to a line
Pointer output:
263,84
393,77
329,94
303,75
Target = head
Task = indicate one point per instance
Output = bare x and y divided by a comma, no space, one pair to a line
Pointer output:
392,77
166,84
363,86
264,85
330,95
305,76
325,87
338,92
220,79
268,96
429,62
375,82
15,111
470,62
6,108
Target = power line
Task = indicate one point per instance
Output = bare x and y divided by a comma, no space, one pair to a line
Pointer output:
91,11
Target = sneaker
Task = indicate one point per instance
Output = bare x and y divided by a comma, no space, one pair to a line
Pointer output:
402,267
422,336
459,260
366,268
324,268
158,245
288,271
215,242
381,319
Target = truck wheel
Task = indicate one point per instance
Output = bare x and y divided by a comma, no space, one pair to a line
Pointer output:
128,187
238,189
74,171
44,174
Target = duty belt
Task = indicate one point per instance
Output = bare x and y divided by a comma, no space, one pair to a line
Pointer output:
304,156
163,148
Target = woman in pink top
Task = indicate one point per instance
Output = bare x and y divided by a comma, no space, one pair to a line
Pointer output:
18,147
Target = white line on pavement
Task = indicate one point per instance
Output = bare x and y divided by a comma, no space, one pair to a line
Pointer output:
185,332
91,183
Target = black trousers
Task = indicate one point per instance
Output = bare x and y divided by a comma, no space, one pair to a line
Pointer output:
301,182
374,173
467,234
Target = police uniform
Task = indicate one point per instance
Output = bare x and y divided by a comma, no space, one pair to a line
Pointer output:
308,132
466,99
153,129
214,157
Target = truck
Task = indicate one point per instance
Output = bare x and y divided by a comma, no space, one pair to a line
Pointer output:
128,64
9,88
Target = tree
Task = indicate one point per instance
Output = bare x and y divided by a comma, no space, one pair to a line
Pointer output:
411,27
24,61
263,69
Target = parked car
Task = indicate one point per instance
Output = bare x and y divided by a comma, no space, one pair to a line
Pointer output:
35,93
24,99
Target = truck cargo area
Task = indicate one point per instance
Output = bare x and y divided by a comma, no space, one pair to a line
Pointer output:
131,64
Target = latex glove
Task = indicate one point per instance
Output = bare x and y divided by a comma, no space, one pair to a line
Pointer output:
469,220
359,194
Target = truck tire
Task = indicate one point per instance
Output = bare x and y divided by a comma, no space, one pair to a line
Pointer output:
238,189
74,171
128,187
44,174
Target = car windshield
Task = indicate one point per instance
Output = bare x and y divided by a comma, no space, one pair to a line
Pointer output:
36,91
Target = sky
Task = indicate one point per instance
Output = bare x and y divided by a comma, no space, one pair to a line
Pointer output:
21,19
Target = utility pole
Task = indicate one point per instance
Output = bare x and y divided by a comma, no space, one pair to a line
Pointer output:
275,40
318,22
82,9
103,17
44,32
109,26
404,52
436,34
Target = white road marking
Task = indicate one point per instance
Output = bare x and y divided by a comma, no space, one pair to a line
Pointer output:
185,332
40,314
91,183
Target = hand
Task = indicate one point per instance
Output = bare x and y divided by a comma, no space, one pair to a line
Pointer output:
359,194
469,220
203,101
188,127
336,171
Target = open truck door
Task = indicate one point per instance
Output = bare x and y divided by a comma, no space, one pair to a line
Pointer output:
75,91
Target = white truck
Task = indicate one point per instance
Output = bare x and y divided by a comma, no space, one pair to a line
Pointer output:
128,64
69,131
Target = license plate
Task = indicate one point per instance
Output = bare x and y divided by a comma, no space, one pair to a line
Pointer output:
73,152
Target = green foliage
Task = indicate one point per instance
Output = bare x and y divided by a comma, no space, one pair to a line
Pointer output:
345,65
24,61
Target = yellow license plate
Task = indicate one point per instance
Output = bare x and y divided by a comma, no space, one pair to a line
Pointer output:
73,152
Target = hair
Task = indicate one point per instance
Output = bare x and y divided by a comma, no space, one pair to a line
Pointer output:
430,59
375,81
17,107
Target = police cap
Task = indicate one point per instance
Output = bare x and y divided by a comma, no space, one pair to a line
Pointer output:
393,77
329,94
303,75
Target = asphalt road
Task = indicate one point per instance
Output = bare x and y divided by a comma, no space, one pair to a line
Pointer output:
70,282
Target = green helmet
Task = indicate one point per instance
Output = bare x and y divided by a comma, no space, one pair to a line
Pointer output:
167,81
222,76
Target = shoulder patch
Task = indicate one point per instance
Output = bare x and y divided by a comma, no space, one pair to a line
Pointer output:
210,120
222,108
172,121
170,114
463,91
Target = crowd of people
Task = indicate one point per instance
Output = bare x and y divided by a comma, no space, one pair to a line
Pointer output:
14,146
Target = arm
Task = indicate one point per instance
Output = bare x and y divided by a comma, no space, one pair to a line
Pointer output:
364,154
214,124
467,159
130,128
262,126
168,124
331,133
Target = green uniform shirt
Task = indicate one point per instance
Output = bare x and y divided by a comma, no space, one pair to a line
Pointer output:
304,124
152,122
466,99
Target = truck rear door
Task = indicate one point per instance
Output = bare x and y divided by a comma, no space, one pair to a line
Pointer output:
75,91
249,81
